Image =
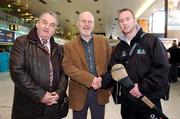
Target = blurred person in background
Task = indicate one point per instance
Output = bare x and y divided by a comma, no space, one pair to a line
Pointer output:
174,61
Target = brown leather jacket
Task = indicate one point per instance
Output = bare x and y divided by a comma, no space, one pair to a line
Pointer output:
29,67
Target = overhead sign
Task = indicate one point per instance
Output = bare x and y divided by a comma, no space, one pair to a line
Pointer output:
6,36
13,27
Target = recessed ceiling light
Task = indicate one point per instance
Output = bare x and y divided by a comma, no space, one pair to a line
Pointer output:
42,1
115,19
32,17
98,11
9,5
67,20
18,10
69,1
77,12
58,13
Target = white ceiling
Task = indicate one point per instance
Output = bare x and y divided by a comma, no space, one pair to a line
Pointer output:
105,20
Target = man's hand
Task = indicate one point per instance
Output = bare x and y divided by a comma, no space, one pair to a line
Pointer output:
135,91
50,98
96,83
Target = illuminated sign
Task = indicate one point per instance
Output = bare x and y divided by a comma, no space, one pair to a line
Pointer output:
13,27
6,36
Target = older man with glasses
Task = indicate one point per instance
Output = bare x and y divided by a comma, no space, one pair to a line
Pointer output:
85,59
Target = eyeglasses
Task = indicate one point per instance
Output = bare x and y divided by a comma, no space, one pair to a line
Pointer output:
86,21
52,25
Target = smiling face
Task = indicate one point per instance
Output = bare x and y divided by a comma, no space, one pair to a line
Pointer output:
127,22
85,24
46,26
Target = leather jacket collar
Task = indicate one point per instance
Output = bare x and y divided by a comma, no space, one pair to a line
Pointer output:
33,38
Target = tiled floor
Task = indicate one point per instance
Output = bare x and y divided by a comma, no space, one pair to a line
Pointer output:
171,107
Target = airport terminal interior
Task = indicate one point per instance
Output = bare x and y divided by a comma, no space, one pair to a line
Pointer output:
17,17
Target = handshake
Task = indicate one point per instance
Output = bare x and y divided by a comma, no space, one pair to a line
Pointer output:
96,84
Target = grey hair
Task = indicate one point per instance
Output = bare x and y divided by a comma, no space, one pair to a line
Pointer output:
50,13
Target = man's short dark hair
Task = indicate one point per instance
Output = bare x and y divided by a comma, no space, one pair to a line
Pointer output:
126,9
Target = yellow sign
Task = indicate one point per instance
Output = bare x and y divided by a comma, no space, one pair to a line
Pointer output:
13,27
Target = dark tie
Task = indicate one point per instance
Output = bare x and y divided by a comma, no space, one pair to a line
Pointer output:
45,42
